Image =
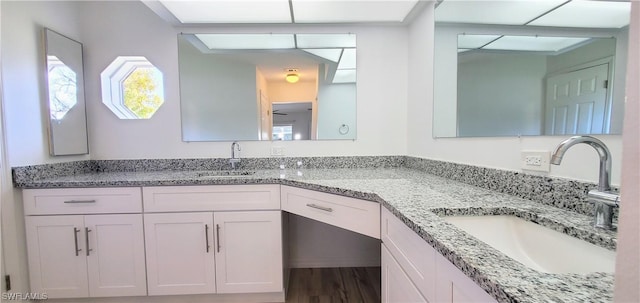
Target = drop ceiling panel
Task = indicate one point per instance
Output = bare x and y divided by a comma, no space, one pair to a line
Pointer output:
247,41
323,11
475,41
230,11
331,54
348,59
600,14
345,76
516,12
532,43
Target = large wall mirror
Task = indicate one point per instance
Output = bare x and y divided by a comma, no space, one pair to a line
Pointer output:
267,86
64,79
529,68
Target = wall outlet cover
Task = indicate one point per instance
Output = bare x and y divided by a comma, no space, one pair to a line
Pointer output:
277,151
536,160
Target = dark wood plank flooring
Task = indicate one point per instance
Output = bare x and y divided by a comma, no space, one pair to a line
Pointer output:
334,285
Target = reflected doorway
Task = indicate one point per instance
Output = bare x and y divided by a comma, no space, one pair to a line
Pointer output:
291,121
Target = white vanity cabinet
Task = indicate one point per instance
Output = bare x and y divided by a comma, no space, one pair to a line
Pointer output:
396,284
409,264
213,239
90,253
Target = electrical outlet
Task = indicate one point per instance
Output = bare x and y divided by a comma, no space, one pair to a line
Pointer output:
536,160
277,151
533,160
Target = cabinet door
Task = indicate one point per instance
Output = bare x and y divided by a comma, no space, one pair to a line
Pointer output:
454,286
179,253
115,255
57,260
396,285
248,251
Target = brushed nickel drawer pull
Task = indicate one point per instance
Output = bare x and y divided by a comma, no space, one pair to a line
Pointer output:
79,201
328,209
206,236
218,236
75,240
86,232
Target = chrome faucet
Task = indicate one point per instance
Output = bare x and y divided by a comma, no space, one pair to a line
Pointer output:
604,200
233,159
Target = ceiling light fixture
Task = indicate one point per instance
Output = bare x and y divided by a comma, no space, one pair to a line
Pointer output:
292,78
292,75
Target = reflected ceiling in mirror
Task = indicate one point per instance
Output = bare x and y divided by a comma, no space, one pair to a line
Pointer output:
230,83
517,75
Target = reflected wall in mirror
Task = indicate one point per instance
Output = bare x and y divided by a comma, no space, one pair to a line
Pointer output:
514,80
64,78
267,86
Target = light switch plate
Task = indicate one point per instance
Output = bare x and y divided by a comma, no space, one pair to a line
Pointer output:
535,160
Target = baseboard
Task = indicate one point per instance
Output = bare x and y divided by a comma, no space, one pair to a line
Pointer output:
209,298
332,262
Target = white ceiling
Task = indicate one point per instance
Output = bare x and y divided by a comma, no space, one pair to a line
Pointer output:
289,11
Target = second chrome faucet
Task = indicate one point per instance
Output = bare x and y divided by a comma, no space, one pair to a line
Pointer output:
603,198
234,160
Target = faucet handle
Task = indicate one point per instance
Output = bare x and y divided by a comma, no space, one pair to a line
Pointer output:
605,197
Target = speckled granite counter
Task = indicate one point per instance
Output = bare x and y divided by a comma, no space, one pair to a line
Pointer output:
418,199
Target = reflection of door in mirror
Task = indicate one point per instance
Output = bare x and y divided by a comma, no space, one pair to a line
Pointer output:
576,101
292,121
265,117
65,95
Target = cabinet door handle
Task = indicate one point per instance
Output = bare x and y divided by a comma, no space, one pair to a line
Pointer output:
86,232
79,201
328,209
75,240
218,237
206,236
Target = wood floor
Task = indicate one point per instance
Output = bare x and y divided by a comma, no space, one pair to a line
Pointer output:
334,285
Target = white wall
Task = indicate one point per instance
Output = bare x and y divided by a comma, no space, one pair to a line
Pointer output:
130,28
581,162
337,107
24,111
23,69
495,93
218,99
301,91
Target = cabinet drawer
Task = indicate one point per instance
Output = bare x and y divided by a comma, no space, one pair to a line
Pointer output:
352,214
211,198
82,201
416,256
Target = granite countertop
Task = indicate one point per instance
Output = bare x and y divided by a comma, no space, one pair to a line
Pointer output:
418,199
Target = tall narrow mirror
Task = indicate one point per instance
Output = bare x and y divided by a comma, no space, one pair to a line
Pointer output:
64,79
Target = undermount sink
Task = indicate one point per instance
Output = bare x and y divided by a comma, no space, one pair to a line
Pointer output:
536,246
225,173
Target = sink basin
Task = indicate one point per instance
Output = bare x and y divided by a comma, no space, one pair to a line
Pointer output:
536,246
225,173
